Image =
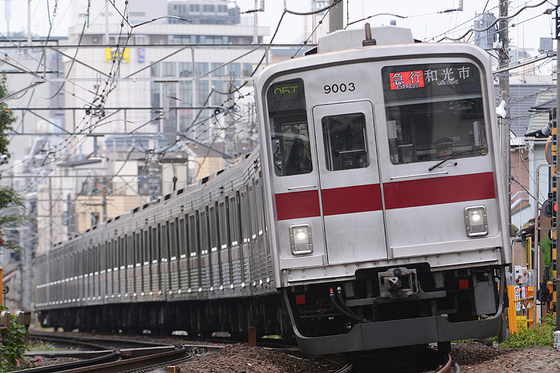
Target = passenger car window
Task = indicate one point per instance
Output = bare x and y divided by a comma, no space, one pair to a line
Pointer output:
344,137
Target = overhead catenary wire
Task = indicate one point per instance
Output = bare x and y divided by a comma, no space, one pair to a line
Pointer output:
498,19
90,126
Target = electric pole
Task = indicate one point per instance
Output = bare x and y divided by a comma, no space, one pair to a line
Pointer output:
336,16
503,57
554,245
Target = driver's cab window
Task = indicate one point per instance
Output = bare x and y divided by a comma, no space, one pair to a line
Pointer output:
289,132
433,112
292,152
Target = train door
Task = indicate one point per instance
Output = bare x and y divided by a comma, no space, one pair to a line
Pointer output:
174,270
183,257
349,182
195,264
156,260
224,243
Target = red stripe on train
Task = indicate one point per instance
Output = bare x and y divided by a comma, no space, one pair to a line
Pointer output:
402,194
297,205
350,200
448,189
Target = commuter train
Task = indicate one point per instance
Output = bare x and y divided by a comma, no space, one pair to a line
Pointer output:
374,214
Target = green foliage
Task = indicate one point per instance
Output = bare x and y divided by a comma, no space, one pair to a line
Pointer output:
514,230
6,117
546,252
10,217
541,335
40,346
11,353
10,200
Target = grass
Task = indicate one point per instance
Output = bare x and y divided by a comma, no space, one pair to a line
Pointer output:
541,335
40,346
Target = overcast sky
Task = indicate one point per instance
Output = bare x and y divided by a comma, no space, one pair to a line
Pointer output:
422,17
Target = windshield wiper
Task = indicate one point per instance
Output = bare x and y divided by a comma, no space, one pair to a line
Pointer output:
453,156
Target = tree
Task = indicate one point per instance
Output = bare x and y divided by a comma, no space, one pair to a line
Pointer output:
11,353
11,202
6,118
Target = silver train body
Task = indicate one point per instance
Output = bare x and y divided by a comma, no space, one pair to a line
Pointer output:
373,215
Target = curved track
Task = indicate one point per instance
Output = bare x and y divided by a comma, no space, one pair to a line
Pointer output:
449,367
115,359
410,360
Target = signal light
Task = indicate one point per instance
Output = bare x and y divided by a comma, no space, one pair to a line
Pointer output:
548,207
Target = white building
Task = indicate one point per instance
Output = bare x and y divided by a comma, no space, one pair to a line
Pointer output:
145,103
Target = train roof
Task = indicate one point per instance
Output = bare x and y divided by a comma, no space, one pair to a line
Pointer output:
348,39
191,188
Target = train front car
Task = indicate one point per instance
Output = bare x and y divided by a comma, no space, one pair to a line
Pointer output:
386,195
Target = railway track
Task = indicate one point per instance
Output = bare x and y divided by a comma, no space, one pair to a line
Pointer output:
109,355
118,355
399,360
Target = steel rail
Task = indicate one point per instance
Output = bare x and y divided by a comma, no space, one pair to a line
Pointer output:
449,367
115,360
133,363
68,367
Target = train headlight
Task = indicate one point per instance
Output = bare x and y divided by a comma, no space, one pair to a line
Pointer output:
476,221
300,239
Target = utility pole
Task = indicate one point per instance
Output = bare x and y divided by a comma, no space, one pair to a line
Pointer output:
104,199
229,140
107,23
503,57
28,250
256,23
336,16
554,245
29,22
8,13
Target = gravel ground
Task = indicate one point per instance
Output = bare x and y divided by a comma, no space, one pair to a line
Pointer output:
240,358
471,356
230,358
475,357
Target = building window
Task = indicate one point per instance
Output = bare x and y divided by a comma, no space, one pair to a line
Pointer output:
185,69
169,69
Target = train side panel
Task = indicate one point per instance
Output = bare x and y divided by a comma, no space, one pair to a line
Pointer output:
168,258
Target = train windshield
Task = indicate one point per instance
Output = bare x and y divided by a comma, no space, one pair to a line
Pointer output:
434,111
289,131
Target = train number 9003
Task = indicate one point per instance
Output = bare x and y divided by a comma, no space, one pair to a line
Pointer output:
336,88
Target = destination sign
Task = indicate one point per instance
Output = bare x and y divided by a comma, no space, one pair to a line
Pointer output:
288,92
440,76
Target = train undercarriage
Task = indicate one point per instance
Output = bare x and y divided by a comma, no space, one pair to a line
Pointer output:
382,305
193,318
